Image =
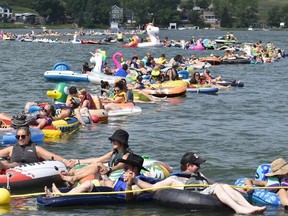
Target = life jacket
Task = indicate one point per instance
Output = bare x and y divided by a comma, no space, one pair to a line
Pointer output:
130,96
88,96
119,36
175,74
193,178
118,155
24,154
122,94
121,185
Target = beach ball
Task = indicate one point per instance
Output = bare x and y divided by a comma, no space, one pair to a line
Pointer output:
4,196
95,118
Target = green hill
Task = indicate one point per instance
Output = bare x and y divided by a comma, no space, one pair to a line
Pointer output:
20,6
265,5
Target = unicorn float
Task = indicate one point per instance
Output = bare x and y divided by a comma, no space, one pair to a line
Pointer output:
97,75
154,40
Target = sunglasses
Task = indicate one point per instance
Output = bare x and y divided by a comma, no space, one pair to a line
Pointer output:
45,110
20,136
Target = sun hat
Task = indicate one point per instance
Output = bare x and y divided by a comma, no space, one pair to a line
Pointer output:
278,167
191,157
121,136
134,160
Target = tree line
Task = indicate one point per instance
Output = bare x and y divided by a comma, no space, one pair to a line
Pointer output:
96,13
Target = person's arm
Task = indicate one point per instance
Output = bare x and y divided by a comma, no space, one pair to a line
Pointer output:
170,181
64,113
103,159
47,155
6,152
249,185
107,170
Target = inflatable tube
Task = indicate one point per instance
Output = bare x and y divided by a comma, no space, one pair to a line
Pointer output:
134,42
165,91
188,200
7,136
67,124
33,176
183,74
61,66
204,90
261,196
125,109
212,60
236,61
233,83
169,84
90,199
157,170
65,76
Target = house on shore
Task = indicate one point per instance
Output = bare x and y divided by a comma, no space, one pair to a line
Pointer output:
5,13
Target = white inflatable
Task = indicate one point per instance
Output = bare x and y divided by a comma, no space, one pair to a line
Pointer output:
154,40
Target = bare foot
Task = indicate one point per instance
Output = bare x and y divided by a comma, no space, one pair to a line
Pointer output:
261,209
253,210
48,192
67,178
55,189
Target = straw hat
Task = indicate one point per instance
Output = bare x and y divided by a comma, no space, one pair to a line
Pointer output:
278,167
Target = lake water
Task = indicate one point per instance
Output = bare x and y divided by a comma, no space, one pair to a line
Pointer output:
234,131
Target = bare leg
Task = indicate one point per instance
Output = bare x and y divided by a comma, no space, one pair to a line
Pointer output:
48,192
81,173
229,198
85,187
283,195
55,189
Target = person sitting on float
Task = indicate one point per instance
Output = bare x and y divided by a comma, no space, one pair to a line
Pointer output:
86,68
190,174
197,79
123,71
156,75
278,178
162,60
120,150
172,73
229,55
45,116
105,89
142,69
132,167
25,151
178,58
119,97
133,63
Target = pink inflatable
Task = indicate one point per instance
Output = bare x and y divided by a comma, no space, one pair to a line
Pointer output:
198,46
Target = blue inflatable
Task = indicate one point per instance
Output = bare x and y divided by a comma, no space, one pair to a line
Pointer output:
104,196
61,66
261,196
7,137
